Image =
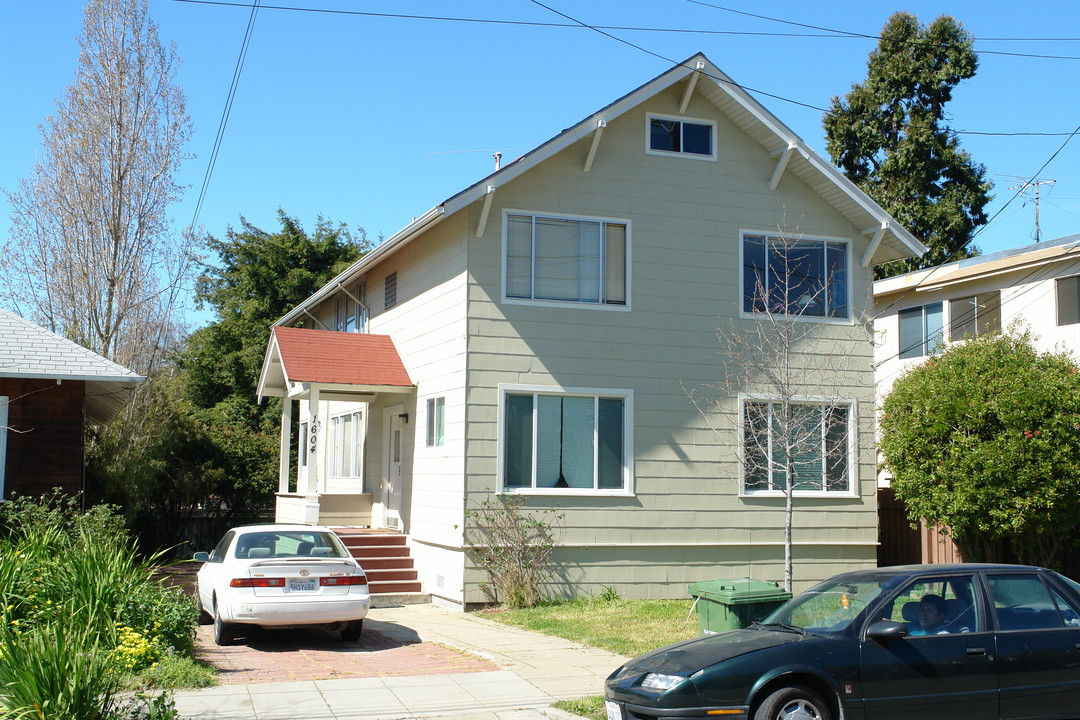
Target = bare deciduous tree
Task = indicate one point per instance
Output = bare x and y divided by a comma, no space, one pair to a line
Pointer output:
789,374
93,255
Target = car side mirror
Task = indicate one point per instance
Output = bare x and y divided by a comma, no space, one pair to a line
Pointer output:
201,557
884,630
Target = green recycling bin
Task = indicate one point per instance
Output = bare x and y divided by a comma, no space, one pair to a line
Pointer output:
733,604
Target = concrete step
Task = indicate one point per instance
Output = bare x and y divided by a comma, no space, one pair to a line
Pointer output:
404,598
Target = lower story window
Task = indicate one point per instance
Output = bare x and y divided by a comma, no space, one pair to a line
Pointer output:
815,437
436,421
346,445
564,441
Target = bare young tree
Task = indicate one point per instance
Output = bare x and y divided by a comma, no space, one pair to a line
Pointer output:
92,253
789,373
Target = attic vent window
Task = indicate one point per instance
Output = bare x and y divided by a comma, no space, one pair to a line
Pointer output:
674,136
390,291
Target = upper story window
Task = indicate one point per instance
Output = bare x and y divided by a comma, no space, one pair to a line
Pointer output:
921,330
390,291
350,314
801,277
565,441
566,260
821,438
1068,300
974,315
681,136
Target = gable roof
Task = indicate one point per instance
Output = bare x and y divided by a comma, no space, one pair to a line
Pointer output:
32,352
890,240
332,360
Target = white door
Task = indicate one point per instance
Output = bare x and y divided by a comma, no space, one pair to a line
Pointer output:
395,431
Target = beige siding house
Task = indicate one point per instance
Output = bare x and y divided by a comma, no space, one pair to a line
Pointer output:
550,318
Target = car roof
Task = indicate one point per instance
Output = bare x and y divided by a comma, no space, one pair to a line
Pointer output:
947,569
279,527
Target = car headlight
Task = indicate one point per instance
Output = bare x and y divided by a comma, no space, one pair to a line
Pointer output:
660,682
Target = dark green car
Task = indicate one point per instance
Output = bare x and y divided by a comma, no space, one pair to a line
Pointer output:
933,642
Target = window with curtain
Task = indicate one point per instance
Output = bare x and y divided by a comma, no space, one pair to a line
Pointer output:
436,421
566,260
974,315
921,330
564,441
819,438
804,278
346,445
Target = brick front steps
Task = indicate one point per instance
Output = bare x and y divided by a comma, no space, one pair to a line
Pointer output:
385,557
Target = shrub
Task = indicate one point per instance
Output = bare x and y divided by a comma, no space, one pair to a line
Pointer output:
513,546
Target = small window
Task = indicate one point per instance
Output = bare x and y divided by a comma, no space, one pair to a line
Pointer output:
566,260
693,138
1068,300
921,330
390,291
819,435
974,315
564,441
795,276
436,420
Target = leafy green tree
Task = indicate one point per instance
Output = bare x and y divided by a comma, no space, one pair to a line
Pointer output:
984,441
889,137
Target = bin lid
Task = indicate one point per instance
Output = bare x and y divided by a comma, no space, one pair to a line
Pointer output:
738,591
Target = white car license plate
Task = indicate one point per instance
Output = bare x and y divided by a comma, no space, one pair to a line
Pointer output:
614,712
302,585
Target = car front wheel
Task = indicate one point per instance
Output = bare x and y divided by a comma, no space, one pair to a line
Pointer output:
793,703
223,632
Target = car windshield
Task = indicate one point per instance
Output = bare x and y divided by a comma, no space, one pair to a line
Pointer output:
288,544
834,604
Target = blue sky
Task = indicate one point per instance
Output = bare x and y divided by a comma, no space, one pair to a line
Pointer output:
373,120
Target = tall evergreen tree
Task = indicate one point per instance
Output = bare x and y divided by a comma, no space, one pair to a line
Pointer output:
889,137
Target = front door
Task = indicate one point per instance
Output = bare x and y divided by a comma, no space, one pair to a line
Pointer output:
392,480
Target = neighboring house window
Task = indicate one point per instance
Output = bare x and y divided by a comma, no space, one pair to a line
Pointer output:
1068,300
566,260
347,445
350,314
821,436
570,441
801,277
390,291
693,138
436,421
921,330
974,315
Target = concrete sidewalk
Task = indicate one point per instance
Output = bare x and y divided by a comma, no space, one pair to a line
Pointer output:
534,671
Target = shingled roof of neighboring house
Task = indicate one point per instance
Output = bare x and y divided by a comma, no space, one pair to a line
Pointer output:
30,351
327,358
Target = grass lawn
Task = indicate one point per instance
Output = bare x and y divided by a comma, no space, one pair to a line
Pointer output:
626,627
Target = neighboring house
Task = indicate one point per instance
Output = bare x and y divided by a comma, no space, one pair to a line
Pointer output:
50,388
920,313
536,333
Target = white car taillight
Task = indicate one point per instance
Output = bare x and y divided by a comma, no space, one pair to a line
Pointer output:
346,580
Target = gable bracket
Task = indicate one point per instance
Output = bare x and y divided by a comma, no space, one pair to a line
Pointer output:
689,92
600,125
879,233
488,197
781,166
355,299
317,321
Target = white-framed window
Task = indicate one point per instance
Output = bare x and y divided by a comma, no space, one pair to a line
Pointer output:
573,441
805,277
567,260
821,436
350,314
685,137
921,330
347,445
436,421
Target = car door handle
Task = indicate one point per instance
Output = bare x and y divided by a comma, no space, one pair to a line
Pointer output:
977,651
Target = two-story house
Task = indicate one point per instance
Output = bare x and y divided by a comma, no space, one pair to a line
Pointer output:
536,333
919,313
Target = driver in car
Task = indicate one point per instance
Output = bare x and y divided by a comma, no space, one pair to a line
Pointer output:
931,616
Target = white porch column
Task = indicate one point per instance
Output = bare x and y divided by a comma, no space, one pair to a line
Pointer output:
311,499
284,468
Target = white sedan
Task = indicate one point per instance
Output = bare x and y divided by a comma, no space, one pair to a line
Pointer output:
282,576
